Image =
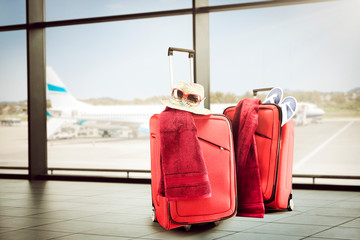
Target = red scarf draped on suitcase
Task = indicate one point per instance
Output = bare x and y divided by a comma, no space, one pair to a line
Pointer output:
250,199
184,175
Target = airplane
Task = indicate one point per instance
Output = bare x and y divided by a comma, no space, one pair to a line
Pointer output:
306,111
10,121
108,119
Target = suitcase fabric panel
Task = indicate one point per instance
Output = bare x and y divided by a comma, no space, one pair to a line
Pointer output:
219,170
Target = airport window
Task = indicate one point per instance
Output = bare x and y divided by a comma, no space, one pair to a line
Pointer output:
12,12
68,9
117,73
13,102
309,50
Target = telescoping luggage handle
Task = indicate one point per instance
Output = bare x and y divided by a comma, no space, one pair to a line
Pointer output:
191,58
255,91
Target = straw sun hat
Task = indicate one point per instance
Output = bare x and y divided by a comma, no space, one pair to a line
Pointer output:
188,88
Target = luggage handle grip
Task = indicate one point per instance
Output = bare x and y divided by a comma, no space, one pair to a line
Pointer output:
172,49
191,57
255,91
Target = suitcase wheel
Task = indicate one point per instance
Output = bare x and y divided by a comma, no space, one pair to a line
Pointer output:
291,204
153,215
187,228
217,223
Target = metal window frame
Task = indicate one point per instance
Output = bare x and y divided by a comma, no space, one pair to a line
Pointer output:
36,79
36,61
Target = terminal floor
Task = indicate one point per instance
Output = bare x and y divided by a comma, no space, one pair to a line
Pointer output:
66,210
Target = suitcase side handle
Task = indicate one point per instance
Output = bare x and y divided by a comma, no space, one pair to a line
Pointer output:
191,57
255,91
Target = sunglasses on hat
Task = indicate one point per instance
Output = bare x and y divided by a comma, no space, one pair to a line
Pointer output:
192,100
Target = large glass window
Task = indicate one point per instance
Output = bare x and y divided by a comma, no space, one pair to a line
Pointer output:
104,82
12,12
13,100
312,51
69,9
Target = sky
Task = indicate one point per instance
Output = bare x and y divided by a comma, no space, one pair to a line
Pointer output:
300,47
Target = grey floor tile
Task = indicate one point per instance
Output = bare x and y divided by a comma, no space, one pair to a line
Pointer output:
87,210
288,229
114,218
301,209
354,198
271,216
340,233
123,230
137,210
30,235
320,238
15,203
55,198
21,212
314,195
196,233
142,221
354,223
14,195
312,203
102,208
25,222
63,205
71,226
346,204
314,220
237,225
6,229
258,236
66,214
336,212
89,237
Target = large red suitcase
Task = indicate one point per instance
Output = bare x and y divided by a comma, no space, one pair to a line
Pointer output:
216,141
275,147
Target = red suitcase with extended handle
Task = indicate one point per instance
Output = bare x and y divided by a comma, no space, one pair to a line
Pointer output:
216,142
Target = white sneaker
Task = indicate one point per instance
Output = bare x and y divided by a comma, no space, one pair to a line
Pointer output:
274,96
288,109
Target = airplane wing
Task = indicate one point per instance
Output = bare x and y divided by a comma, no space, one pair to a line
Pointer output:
108,124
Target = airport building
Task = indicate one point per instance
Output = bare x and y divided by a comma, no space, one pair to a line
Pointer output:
79,81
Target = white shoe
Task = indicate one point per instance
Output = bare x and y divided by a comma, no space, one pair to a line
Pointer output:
288,109
274,96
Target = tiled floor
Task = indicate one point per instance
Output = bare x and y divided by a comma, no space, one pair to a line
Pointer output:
86,210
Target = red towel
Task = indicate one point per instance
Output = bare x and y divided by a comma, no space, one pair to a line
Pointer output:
250,198
184,175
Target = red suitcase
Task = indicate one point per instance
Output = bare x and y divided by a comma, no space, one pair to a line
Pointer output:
215,136
275,147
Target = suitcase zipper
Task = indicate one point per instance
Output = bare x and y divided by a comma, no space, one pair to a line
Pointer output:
222,148
261,135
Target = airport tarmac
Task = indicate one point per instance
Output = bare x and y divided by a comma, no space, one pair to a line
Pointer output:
330,147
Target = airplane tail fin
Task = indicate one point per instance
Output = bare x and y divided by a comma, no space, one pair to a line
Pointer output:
58,94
